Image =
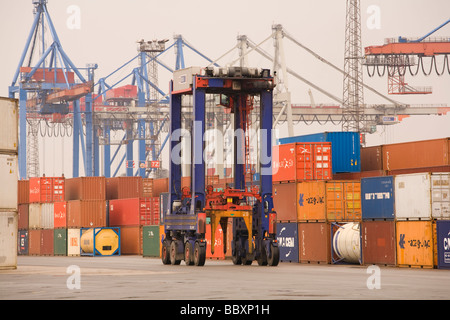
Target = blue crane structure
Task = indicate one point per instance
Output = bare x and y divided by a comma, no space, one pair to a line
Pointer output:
54,85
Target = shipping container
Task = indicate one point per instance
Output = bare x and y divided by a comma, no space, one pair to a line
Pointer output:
34,242
442,244
9,125
332,200
23,216
59,184
147,188
378,242
440,195
73,242
314,242
377,198
86,213
9,182
85,188
40,216
218,243
123,187
345,148
8,239
41,190
413,196
416,154
47,242
301,161
159,186
285,205
60,214
372,158
151,241
134,211
414,240
131,240
420,170
60,242
287,237
23,192
22,242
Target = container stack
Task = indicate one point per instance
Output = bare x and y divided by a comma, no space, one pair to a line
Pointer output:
310,203
406,203
9,184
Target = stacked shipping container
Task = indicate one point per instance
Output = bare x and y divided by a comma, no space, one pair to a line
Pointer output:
308,200
8,186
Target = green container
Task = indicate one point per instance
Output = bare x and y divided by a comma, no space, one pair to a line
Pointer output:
60,242
151,241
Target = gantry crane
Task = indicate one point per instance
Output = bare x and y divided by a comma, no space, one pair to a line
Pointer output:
254,218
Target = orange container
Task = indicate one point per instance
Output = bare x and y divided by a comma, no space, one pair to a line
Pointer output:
131,240
218,243
331,200
59,184
314,242
41,190
85,188
301,161
160,186
415,244
123,187
417,154
311,201
147,187
86,213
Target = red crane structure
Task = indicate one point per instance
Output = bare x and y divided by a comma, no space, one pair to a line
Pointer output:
402,54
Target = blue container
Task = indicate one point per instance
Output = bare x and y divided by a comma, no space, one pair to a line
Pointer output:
287,236
345,148
377,198
443,243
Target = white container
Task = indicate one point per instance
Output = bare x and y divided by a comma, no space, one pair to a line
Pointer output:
73,242
9,125
8,182
347,242
41,215
440,196
413,196
8,239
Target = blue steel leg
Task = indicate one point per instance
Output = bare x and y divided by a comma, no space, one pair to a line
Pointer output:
76,139
141,133
89,136
175,143
129,152
22,134
239,143
198,162
107,152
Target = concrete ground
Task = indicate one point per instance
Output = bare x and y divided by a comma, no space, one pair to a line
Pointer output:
136,277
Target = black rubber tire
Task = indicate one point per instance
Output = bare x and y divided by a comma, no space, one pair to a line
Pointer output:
188,254
199,254
274,258
165,252
173,253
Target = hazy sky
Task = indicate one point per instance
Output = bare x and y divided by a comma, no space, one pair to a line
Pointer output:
105,32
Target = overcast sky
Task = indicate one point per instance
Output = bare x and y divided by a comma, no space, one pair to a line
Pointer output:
105,32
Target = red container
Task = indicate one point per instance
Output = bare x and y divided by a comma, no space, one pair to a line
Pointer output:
60,214
372,158
58,189
314,242
85,188
23,192
133,212
378,242
285,201
23,216
47,242
34,242
86,213
301,161
41,190
123,187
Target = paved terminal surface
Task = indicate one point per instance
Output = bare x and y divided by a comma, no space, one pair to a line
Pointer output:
136,278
